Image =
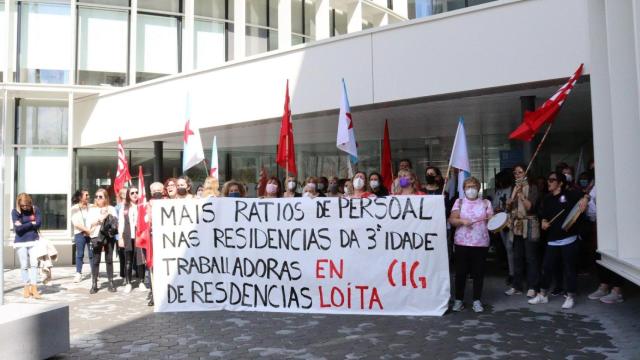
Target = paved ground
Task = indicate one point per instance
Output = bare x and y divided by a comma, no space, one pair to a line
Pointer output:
108,326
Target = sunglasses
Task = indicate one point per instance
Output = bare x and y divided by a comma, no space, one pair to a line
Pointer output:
133,193
99,197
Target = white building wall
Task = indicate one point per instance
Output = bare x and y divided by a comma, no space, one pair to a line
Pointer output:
379,65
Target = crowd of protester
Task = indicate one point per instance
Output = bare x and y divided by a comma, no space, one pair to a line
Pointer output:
538,251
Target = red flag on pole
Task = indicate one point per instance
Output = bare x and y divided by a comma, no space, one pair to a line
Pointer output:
386,167
143,225
534,120
286,156
122,172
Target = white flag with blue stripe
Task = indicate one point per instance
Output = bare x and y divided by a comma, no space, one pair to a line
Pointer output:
460,156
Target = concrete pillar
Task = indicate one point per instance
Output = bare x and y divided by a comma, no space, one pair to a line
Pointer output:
188,36
323,23
284,24
157,161
133,42
8,41
239,30
401,8
354,16
72,55
527,103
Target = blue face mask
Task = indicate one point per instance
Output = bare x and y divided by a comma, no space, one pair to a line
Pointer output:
234,194
584,183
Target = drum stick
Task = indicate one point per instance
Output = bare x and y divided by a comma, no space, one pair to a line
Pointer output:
555,217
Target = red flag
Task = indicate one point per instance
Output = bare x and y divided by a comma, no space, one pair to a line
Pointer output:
286,156
122,173
386,167
534,120
143,225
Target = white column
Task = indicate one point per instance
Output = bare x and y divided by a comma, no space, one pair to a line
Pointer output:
70,142
133,40
239,29
8,41
3,204
323,21
400,7
284,24
188,37
74,31
354,16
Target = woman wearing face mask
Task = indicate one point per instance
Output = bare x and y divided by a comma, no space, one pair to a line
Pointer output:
376,184
311,188
272,189
183,186
211,185
233,188
291,185
432,187
407,184
333,189
26,220
127,221
525,229
471,240
347,188
103,222
171,187
359,182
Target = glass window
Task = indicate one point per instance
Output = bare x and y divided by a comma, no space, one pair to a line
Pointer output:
102,47
42,123
339,22
230,33
157,47
220,9
42,173
45,43
260,40
107,2
257,12
96,168
310,19
162,5
209,47
3,46
303,20
297,22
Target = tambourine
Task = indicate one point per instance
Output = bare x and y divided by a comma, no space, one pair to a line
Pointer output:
498,222
573,216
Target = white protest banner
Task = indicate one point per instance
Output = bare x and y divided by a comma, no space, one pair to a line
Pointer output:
385,256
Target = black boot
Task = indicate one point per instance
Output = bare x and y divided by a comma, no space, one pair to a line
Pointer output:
150,303
94,284
111,287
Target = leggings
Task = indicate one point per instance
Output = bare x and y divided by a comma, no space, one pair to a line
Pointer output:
568,254
469,260
108,258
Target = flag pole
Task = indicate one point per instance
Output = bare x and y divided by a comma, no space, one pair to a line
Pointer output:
544,137
206,167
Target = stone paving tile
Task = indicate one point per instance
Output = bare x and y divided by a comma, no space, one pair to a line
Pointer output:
121,326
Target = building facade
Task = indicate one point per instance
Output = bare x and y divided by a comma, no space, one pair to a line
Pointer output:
79,74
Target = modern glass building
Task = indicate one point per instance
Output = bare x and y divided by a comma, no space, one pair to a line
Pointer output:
76,75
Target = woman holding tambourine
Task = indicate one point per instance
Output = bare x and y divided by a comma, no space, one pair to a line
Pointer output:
560,208
525,229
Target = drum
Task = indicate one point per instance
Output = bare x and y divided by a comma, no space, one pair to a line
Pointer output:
498,222
573,216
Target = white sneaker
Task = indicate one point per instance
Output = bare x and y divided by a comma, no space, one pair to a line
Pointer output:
531,293
477,306
539,299
568,302
77,278
512,291
458,305
127,288
602,291
613,298
142,287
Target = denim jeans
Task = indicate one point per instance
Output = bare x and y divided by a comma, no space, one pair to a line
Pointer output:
525,260
28,265
82,241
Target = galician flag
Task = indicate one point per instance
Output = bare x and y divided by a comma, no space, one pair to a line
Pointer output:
214,159
346,139
192,153
460,157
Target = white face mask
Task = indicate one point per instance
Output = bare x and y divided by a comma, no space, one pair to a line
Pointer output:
346,191
272,188
471,193
374,184
291,185
569,177
358,183
311,187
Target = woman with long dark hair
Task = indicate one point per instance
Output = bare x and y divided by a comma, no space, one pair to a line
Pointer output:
127,221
